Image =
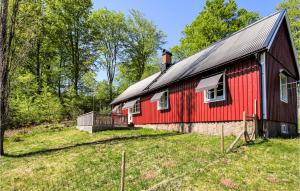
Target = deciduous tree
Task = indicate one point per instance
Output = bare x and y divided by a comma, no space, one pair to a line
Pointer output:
8,16
109,33
218,19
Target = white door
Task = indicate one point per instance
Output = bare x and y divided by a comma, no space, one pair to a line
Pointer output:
129,116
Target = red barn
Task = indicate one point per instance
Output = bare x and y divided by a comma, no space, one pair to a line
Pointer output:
256,64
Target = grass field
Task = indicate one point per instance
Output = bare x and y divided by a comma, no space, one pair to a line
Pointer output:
56,158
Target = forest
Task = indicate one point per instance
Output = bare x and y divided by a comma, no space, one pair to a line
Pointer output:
52,51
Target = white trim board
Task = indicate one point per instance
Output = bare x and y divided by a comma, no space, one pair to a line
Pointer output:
264,86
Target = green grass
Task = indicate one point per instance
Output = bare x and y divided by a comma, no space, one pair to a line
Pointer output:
56,158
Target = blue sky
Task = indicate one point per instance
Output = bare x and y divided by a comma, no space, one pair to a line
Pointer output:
172,16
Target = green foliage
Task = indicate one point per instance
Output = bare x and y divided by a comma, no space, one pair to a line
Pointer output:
53,62
218,19
109,32
29,107
293,10
125,78
143,41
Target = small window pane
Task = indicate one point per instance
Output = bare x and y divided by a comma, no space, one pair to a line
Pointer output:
211,94
220,89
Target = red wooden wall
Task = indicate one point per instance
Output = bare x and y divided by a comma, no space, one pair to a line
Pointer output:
281,57
242,81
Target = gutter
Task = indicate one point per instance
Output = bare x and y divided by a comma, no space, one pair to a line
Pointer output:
261,126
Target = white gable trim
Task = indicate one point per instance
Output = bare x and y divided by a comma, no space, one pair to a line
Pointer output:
275,30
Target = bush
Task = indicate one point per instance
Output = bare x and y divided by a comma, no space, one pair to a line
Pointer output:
36,109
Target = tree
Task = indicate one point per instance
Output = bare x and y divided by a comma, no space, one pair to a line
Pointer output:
125,78
144,40
218,19
293,11
9,11
109,31
70,22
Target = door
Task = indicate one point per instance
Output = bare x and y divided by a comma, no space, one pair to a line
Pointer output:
129,116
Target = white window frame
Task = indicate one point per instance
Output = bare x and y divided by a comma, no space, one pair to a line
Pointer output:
284,128
216,98
283,87
159,107
135,106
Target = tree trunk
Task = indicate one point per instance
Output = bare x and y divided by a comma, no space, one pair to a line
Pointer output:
38,66
3,71
77,61
6,37
110,91
59,77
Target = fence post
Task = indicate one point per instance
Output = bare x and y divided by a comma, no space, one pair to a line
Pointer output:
222,139
255,106
112,120
255,119
245,126
93,119
122,188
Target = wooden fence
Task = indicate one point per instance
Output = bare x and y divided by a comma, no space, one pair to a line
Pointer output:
94,121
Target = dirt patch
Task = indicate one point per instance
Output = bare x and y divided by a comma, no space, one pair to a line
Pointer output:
229,183
169,164
273,179
150,174
20,131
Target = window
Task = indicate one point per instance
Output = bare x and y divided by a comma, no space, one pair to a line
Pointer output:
136,109
119,110
163,102
284,128
283,88
216,94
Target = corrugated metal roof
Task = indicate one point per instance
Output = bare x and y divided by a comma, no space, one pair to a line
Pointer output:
248,40
243,42
136,88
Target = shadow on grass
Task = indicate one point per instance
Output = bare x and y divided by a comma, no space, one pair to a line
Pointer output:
250,144
104,141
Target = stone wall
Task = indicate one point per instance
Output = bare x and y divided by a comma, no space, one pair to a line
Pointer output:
230,128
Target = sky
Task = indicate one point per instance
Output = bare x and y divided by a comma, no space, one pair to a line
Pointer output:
172,16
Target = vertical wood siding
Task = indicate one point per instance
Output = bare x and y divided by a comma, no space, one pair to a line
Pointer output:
242,88
281,57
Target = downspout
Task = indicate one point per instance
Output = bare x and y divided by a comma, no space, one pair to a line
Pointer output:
261,123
